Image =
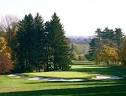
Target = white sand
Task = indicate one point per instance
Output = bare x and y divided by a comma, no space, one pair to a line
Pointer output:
54,79
98,77
14,75
106,77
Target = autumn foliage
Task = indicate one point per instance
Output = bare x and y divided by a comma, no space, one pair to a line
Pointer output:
123,52
5,57
108,55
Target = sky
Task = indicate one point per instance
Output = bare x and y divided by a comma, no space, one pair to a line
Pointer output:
79,17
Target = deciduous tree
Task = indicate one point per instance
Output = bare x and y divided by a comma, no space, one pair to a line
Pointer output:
5,57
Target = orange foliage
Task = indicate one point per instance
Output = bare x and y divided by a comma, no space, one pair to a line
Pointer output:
5,57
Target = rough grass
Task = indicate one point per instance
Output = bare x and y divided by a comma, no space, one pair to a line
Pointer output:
10,86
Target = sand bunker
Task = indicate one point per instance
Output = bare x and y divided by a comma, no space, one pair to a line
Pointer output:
54,79
106,77
98,77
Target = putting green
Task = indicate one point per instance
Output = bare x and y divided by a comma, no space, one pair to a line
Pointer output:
62,74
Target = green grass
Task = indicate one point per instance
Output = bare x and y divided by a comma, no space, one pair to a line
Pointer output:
103,70
21,87
62,74
10,86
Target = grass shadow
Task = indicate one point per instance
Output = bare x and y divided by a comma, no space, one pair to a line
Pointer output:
110,90
113,70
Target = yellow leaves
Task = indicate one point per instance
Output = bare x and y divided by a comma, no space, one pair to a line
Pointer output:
5,57
110,51
123,52
108,54
4,49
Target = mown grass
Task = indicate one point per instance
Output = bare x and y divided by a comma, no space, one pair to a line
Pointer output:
10,86
67,74
20,87
63,74
103,70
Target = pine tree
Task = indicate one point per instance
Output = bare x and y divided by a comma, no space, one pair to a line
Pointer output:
41,46
25,44
49,50
118,38
94,48
60,49
40,43
107,37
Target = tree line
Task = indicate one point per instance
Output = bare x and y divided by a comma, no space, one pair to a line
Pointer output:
108,47
37,45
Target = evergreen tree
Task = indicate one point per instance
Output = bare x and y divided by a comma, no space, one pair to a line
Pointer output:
60,49
94,47
107,34
49,49
107,37
40,43
99,33
118,38
25,44
41,46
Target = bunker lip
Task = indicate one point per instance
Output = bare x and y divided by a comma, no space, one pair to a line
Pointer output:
54,79
107,77
98,77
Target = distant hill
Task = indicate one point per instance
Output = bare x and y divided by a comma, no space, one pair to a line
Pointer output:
80,46
80,39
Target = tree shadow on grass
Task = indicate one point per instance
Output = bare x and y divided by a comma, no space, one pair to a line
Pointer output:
89,82
110,90
117,71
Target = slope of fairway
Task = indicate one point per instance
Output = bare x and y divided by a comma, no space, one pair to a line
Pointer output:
23,87
11,86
